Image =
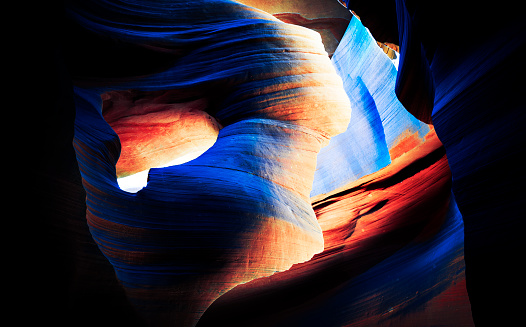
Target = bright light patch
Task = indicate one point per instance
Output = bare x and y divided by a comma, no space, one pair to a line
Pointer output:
134,183
396,60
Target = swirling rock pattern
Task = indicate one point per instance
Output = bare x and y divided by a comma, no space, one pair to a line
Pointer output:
463,69
390,248
394,258
156,128
380,124
326,17
241,210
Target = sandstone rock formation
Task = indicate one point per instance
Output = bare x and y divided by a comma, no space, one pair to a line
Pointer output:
460,72
239,211
361,211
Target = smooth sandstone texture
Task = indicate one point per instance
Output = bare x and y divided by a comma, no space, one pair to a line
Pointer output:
459,69
156,128
239,211
393,251
411,275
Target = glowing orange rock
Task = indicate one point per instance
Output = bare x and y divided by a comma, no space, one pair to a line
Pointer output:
157,128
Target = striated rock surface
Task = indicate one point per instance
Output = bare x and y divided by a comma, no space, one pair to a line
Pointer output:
379,122
156,128
465,69
239,211
263,99
393,249
327,17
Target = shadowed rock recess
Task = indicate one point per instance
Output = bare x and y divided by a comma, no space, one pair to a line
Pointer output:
303,163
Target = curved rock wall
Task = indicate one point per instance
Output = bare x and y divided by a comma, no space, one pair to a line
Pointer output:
369,225
239,211
463,68
379,122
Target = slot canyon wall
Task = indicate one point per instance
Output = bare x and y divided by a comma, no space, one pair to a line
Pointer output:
306,166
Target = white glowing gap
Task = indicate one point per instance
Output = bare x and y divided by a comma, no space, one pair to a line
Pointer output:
396,60
134,183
